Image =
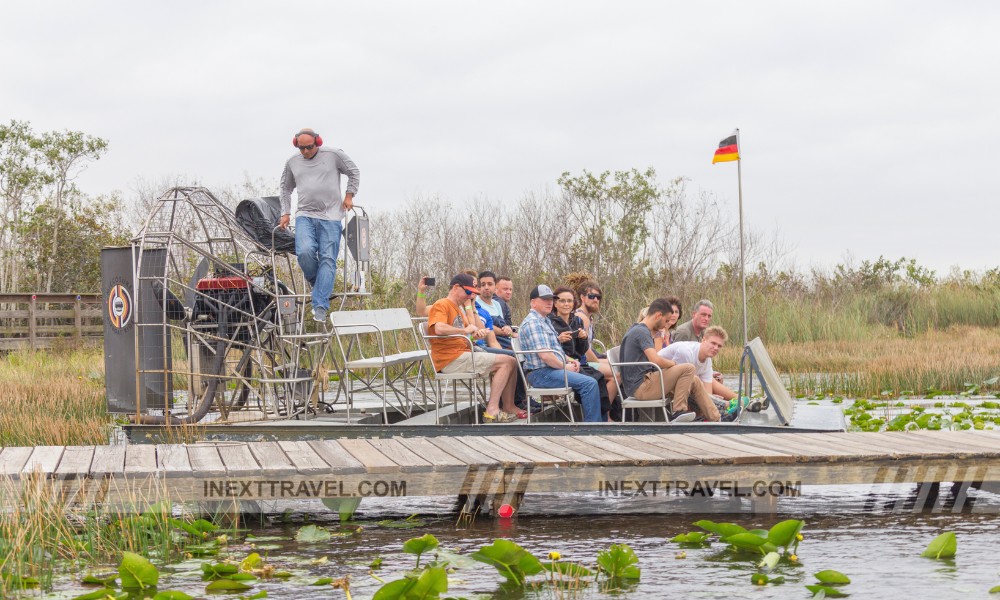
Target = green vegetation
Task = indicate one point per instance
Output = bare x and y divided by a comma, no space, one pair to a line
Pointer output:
53,398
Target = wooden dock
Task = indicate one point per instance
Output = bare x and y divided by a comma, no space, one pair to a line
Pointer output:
497,468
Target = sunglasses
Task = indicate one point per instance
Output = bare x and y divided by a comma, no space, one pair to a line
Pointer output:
594,296
306,148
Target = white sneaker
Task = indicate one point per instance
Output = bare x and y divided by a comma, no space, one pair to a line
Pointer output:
685,417
319,315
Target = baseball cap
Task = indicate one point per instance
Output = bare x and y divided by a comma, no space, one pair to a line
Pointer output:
541,291
466,281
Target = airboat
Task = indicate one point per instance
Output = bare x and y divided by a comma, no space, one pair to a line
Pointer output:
207,328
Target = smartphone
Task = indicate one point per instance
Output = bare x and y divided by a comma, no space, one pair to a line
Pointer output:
429,281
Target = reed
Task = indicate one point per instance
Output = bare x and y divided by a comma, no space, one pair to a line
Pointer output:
938,360
53,398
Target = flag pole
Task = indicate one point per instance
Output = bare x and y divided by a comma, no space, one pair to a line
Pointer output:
743,276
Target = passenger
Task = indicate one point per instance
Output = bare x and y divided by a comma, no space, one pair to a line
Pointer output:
315,173
590,305
645,382
675,317
494,306
700,354
573,337
693,330
452,354
701,318
546,369
421,309
505,291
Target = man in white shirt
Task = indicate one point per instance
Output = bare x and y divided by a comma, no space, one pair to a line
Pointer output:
700,355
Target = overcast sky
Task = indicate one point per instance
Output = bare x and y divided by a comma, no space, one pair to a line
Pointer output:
866,127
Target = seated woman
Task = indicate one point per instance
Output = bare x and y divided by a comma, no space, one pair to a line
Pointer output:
674,319
574,340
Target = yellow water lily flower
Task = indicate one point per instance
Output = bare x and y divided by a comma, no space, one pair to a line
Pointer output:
554,555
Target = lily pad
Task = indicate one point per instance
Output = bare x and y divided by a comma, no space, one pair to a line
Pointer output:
694,537
943,546
172,595
783,534
512,561
619,562
431,584
312,534
227,585
137,572
831,577
829,592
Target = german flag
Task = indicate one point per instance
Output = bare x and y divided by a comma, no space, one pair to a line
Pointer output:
728,150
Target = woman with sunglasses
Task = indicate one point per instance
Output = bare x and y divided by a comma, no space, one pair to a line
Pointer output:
575,342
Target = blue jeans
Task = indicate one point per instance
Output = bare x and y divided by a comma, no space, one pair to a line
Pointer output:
317,244
590,398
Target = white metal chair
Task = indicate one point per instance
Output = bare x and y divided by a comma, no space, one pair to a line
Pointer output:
564,395
387,328
471,379
630,401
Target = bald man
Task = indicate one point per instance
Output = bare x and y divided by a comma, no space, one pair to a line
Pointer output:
315,172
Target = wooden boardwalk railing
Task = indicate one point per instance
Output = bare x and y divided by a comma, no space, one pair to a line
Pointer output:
499,468
36,321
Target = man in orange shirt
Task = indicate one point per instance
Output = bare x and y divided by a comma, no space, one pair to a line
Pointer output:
455,314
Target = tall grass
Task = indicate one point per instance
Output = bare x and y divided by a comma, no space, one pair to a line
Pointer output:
937,360
53,398
42,531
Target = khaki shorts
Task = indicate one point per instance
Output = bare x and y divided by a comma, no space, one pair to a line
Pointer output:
464,363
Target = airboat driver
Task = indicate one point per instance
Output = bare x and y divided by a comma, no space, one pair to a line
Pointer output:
315,173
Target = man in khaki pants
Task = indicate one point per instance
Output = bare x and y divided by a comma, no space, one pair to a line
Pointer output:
646,382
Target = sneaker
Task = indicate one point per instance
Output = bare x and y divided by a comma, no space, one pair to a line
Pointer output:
729,417
536,406
682,417
319,314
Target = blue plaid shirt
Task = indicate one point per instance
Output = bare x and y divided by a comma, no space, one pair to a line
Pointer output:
536,333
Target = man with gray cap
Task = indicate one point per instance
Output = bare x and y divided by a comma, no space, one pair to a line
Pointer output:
545,369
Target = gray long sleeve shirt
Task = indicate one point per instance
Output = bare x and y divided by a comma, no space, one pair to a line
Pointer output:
318,183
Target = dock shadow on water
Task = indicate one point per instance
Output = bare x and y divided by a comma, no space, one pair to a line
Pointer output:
875,536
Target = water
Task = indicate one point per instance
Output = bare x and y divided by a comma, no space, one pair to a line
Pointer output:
870,534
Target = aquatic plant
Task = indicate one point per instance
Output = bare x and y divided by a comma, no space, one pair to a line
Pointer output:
943,546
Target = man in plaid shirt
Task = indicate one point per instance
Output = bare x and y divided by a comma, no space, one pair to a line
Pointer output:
547,369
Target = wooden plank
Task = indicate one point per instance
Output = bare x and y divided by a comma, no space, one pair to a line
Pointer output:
667,455
109,461
965,441
551,446
172,460
609,444
601,455
490,448
75,462
438,458
373,460
707,452
537,456
337,457
799,451
140,460
753,453
239,461
44,459
12,461
914,447
272,459
205,460
408,460
858,451
462,452
305,459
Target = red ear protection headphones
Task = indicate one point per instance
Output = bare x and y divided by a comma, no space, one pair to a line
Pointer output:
315,136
